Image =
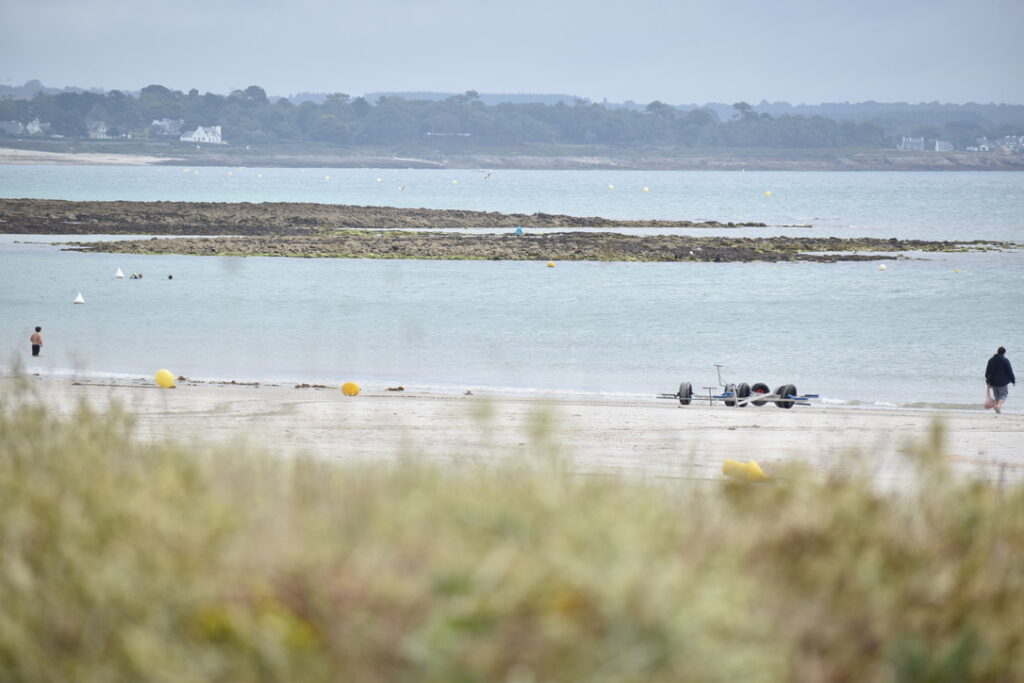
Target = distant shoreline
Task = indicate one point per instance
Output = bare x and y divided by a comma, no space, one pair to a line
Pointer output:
561,158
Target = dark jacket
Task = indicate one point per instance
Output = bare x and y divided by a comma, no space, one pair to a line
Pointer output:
998,372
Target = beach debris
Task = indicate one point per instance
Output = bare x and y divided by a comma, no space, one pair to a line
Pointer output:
350,389
610,186
327,177
165,379
467,392
119,273
749,472
519,232
310,386
379,179
455,182
79,299
398,388
182,378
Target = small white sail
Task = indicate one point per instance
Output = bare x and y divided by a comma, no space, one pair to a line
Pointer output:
79,299
119,273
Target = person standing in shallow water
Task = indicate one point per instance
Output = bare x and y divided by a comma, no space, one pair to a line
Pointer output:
999,375
37,341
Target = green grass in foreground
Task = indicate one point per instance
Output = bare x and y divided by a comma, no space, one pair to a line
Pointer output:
127,562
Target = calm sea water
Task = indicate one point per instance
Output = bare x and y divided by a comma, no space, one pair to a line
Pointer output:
919,332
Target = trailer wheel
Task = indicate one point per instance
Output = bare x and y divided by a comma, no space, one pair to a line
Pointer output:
760,388
685,392
730,389
742,391
783,391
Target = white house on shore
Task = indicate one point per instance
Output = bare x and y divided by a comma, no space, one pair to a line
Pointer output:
208,134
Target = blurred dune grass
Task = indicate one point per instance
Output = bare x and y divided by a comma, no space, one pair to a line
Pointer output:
124,561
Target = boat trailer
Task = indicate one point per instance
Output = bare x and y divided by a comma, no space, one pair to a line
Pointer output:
741,395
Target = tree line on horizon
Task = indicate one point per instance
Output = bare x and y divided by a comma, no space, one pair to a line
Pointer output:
249,116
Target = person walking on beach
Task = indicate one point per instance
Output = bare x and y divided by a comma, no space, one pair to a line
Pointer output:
998,376
37,341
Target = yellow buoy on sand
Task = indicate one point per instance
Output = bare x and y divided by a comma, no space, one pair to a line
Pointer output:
749,472
165,379
767,193
551,264
350,389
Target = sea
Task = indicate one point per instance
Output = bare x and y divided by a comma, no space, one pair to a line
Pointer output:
914,335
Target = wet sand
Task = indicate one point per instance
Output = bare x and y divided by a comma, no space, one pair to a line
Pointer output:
598,435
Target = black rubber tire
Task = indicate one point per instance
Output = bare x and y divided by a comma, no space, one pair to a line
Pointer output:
742,391
786,390
730,389
685,393
760,388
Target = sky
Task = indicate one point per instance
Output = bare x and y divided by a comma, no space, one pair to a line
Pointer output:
675,51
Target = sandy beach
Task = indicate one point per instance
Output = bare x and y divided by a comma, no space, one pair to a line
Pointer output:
32,157
597,435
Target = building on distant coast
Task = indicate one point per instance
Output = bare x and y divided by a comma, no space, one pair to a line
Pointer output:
943,146
913,144
36,127
209,134
1012,144
11,128
167,126
97,130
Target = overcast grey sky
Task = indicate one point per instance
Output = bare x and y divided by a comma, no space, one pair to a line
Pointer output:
676,51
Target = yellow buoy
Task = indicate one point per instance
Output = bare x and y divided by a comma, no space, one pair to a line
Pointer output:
749,471
165,379
767,193
350,389
551,264
647,189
